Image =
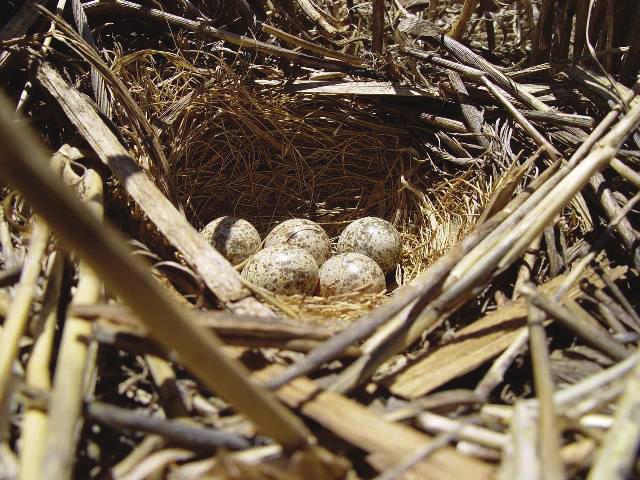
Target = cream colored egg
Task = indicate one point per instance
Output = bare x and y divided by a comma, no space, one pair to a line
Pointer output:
374,237
235,238
283,269
302,233
350,272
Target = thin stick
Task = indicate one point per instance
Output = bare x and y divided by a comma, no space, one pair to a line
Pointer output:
473,116
611,285
18,315
397,470
433,423
326,52
165,379
97,81
34,425
174,431
520,460
549,439
617,456
626,172
146,447
461,22
378,26
495,375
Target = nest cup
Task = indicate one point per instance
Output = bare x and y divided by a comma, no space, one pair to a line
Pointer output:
253,151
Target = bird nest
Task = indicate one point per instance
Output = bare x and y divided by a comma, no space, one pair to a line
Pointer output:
242,145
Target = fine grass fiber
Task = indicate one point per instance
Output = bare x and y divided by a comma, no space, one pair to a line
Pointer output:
242,148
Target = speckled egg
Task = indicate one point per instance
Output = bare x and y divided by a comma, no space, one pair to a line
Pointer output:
348,272
235,238
302,233
374,237
283,269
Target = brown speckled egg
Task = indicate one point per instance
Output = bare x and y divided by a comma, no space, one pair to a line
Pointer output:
348,272
234,238
374,237
302,233
283,269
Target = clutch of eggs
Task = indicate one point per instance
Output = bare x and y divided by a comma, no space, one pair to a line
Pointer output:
296,260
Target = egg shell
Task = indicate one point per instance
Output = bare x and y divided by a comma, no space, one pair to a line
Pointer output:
283,269
235,238
302,233
374,237
348,272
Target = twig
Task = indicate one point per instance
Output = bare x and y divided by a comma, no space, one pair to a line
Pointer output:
173,431
460,25
226,324
165,379
626,172
616,458
433,423
507,185
313,47
541,44
97,82
472,115
146,447
611,285
434,401
18,316
623,228
316,17
378,26
396,471
520,460
549,439
570,395
34,425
